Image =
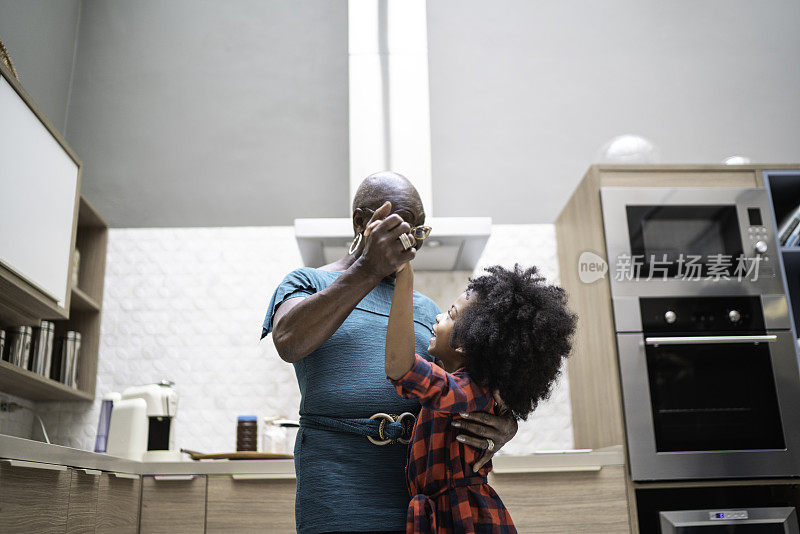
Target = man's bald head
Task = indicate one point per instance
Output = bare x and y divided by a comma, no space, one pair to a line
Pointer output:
387,185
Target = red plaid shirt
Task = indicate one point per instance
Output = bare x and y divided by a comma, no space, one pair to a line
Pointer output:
447,495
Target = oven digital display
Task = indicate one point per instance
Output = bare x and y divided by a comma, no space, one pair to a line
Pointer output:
754,214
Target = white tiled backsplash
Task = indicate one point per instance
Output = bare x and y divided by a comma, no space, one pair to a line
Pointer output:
187,305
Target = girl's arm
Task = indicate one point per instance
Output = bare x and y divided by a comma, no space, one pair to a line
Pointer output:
400,332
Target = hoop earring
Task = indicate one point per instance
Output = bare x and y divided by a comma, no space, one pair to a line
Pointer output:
356,243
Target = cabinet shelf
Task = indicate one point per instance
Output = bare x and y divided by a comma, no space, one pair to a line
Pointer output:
83,302
18,381
84,317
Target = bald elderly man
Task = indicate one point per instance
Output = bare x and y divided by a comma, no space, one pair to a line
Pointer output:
330,323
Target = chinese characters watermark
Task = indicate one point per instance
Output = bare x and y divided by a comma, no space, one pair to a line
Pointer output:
686,267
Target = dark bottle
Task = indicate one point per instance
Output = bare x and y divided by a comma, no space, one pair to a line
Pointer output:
247,433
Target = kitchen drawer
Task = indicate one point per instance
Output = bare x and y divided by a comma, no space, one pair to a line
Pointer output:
34,498
566,502
250,505
82,514
173,504
118,504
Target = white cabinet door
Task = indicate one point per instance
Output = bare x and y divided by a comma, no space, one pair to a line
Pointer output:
38,188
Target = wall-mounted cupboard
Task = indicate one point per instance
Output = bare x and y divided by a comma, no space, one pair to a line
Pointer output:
52,255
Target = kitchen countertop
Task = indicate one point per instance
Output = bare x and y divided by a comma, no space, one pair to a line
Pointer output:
12,448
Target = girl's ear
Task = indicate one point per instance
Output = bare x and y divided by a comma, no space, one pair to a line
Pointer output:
460,350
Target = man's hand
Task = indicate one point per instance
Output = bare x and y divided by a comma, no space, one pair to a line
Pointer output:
499,428
383,251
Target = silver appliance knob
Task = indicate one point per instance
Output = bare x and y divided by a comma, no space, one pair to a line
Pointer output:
760,247
734,316
670,317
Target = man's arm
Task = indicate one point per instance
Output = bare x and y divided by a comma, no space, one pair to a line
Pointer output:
303,324
400,332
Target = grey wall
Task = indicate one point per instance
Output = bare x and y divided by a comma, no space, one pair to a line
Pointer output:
523,93
40,36
210,113
200,113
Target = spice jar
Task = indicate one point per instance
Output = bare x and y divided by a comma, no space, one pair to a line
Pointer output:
247,433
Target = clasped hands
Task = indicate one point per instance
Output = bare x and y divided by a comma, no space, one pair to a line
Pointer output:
383,252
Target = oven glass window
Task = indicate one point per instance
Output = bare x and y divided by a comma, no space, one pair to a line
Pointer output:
664,233
709,397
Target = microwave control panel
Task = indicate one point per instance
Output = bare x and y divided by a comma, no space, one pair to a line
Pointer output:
758,240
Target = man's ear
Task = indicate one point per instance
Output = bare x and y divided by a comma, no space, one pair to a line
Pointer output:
359,221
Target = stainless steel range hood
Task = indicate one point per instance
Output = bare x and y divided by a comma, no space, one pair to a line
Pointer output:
389,123
455,244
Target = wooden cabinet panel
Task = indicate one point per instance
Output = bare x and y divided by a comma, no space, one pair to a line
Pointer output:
693,177
118,505
250,505
82,514
173,506
33,501
566,502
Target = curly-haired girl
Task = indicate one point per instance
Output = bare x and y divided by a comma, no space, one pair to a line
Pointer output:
508,332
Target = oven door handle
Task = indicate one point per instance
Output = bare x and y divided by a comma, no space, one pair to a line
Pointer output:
698,340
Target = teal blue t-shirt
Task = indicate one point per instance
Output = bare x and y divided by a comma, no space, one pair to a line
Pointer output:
344,482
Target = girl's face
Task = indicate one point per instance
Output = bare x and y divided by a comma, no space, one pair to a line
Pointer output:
439,346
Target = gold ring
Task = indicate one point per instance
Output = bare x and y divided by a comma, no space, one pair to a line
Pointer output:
406,241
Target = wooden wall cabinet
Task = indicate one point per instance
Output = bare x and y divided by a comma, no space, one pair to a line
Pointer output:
246,504
43,219
40,183
173,504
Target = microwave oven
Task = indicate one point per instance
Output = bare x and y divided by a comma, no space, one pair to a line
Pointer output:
674,241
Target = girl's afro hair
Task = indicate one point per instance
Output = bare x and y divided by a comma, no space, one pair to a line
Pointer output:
515,335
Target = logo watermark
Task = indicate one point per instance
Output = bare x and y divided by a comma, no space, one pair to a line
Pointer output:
591,267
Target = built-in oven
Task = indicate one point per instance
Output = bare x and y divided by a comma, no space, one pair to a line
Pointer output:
708,358
709,391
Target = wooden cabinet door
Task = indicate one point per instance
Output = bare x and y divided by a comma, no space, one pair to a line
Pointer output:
250,505
173,504
82,514
566,502
34,498
118,504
